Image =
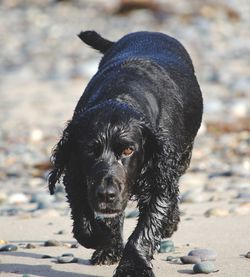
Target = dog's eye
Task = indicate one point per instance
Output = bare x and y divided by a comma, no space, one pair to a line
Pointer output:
127,151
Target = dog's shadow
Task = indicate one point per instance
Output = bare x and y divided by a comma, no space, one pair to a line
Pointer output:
186,271
39,256
40,270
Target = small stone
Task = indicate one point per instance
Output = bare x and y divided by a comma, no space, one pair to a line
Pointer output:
30,246
166,246
67,254
243,195
3,241
75,245
227,173
242,209
43,201
46,257
67,259
172,259
192,196
61,232
47,213
132,214
8,247
36,135
219,212
52,243
3,197
204,254
44,205
204,267
247,255
190,259
240,109
67,244
35,182
18,198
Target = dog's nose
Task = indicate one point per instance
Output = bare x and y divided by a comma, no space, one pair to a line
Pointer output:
106,194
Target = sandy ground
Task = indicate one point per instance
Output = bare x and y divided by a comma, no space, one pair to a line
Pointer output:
229,236
43,71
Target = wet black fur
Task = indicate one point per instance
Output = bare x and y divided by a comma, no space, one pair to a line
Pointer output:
145,80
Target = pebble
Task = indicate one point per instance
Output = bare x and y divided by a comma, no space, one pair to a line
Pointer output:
247,255
45,213
36,135
243,195
242,209
52,243
204,254
3,241
61,232
35,182
30,246
192,196
46,257
27,144
218,212
67,244
190,259
18,198
132,214
43,200
204,267
3,198
170,258
8,247
240,109
67,258
166,246
67,254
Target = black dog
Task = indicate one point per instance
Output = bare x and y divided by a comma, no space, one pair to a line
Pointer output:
131,134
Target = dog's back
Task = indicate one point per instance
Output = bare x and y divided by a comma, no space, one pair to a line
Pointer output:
150,71
154,46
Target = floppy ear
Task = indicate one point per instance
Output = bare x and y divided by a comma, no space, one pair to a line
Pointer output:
60,157
164,164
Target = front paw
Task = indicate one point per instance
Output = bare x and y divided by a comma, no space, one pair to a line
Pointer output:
107,256
132,270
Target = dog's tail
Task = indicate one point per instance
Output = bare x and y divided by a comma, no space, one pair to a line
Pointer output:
93,39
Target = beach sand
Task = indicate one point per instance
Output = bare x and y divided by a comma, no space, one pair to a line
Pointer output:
228,236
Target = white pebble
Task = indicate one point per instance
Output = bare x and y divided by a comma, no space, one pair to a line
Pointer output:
18,198
36,135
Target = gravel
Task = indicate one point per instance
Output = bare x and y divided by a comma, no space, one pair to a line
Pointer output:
44,68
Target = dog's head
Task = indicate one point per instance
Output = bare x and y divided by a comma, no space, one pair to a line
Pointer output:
108,142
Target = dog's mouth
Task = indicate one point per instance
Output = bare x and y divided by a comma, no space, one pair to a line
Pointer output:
107,210
102,215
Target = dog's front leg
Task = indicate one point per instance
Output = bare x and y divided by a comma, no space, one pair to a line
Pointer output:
87,231
146,237
111,251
